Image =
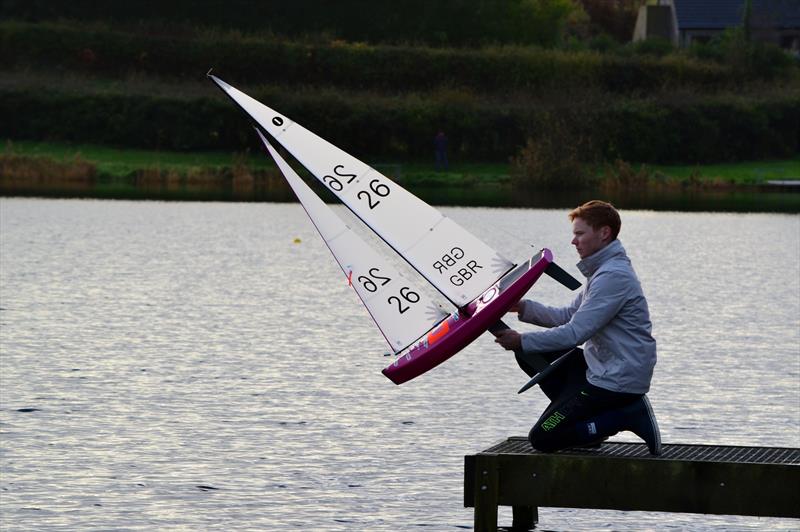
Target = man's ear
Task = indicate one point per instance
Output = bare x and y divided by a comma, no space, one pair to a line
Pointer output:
605,233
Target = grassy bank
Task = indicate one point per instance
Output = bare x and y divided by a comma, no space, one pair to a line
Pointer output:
116,163
743,173
105,162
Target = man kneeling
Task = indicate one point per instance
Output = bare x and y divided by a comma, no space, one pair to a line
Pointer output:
600,389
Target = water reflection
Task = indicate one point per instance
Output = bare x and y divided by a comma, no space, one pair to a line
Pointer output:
275,189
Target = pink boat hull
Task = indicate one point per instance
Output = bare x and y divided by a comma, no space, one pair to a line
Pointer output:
465,325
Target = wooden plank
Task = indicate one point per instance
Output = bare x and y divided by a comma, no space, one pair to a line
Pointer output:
759,481
651,485
485,488
524,517
469,481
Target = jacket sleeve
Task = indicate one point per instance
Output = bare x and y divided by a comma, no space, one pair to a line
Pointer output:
544,316
604,298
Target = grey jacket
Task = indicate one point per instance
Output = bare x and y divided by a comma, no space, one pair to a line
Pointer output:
610,316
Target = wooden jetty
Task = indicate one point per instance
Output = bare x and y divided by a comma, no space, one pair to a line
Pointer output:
707,479
793,184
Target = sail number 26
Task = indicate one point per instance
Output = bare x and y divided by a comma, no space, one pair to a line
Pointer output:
376,188
370,283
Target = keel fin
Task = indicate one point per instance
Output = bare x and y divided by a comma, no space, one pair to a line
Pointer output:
539,377
559,274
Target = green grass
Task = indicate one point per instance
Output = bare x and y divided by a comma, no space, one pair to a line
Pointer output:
115,162
124,162
741,173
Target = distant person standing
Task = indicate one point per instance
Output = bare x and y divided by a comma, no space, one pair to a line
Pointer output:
440,145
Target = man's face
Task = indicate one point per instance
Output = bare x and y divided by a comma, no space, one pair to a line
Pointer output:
588,240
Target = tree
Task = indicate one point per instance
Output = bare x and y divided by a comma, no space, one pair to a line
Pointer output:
616,18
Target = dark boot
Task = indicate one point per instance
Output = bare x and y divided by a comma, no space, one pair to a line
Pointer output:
642,422
636,417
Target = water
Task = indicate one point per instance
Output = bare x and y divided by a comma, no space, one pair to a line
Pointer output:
188,366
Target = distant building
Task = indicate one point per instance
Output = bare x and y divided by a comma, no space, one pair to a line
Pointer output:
684,22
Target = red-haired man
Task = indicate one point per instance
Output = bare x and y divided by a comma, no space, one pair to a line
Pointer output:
600,390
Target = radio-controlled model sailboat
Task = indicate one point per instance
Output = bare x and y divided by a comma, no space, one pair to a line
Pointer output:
479,283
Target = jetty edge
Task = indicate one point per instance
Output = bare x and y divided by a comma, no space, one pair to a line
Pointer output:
705,479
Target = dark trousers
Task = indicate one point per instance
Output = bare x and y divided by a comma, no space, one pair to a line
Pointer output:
441,159
579,412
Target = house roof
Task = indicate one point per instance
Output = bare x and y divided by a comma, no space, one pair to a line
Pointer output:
721,14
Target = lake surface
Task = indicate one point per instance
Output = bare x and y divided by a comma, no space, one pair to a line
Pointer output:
189,366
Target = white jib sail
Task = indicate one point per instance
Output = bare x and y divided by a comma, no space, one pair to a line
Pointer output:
402,313
456,262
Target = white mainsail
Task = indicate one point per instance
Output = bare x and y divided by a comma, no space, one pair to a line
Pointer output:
453,260
402,312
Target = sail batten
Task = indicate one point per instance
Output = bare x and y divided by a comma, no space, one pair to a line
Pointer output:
455,262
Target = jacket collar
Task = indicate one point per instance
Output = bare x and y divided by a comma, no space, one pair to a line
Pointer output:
592,263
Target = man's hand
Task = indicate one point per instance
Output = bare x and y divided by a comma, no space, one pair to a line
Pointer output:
515,307
509,339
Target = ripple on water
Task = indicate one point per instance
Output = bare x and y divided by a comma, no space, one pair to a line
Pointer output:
182,365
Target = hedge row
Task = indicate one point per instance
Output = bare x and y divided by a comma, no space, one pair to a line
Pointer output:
710,129
108,53
456,22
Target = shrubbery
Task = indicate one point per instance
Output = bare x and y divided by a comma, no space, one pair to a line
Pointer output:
687,129
553,110
558,156
99,51
450,22
16,169
733,49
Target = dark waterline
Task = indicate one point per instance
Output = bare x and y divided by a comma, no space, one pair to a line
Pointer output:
743,199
